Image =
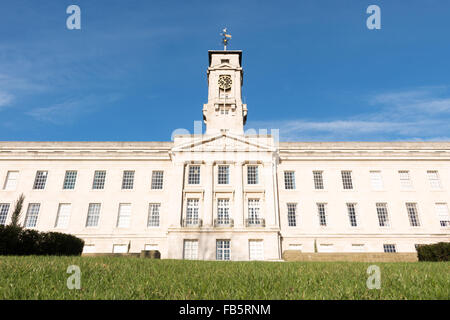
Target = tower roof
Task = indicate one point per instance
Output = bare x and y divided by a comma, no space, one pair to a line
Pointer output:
239,52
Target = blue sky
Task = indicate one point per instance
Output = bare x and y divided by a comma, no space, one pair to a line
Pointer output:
136,70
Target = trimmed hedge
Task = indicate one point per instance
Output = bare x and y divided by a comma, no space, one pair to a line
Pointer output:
434,252
18,241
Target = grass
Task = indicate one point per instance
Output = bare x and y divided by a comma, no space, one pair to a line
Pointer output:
43,277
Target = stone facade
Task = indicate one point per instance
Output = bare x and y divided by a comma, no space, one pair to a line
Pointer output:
229,195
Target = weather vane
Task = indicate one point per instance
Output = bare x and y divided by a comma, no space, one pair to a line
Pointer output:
225,38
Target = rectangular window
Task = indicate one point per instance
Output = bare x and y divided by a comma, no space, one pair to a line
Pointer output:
69,179
376,180
256,249
124,217
32,215
223,211
4,209
405,180
347,180
153,215
194,175
120,248
289,180
326,247
63,217
223,250
413,215
223,175
157,180
89,248
99,179
351,210
321,211
358,248
190,250
93,215
318,180
435,182
192,212
383,217
442,213
40,180
12,178
252,175
292,214
389,248
128,180
253,212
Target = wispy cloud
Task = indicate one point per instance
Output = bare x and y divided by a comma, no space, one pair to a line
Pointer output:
419,114
5,99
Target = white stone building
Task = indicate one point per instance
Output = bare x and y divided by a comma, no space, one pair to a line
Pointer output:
229,195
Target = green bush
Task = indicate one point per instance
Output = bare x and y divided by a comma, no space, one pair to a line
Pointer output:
17,241
434,252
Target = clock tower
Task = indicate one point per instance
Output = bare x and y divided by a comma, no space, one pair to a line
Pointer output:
225,111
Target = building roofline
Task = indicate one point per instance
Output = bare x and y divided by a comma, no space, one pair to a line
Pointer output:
239,52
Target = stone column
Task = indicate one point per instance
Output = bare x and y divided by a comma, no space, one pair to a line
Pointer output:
208,211
176,183
238,213
270,212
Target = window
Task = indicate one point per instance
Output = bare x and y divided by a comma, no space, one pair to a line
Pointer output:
93,215
40,180
157,180
124,217
223,175
120,248
413,214
252,174
223,211
63,217
295,246
192,212
292,214
253,211
405,180
224,60
4,209
256,249
442,213
382,212
194,175
190,250
358,248
289,180
149,247
435,182
390,248
223,250
326,247
99,179
153,215
32,215
11,180
321,210
128,180
376,180
69,179
351,209
89,248
347,180
318,180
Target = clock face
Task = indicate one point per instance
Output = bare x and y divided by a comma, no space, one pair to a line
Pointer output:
225,82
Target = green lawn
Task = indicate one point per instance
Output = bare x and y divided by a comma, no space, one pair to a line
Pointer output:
133,278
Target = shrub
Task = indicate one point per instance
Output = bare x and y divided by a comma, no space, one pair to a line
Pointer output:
17,241
434,252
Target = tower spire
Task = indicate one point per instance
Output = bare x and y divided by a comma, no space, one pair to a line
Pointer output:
225,38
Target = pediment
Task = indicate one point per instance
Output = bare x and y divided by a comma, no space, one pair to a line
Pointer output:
223,142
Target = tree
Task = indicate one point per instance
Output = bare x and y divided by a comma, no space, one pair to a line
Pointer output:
15,217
